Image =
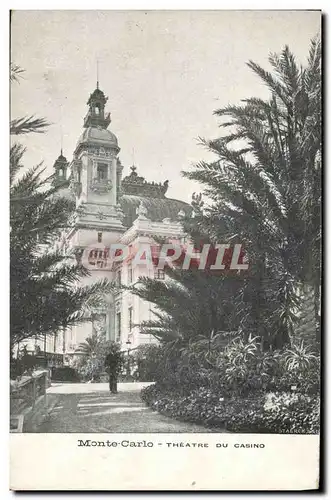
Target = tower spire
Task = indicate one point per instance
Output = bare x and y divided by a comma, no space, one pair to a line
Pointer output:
97,73
61,130
96,115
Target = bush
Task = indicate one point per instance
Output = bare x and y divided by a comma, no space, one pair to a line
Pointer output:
299,366
257,413
234,383
238,367
147,358
91,368
201,406
65,374
23,364
91,363
283,413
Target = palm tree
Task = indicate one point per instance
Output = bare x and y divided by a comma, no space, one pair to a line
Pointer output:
92,355
189,305
90,346
265,191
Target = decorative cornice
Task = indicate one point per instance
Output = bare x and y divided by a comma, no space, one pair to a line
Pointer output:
101,151
136,185
108,225
101,215
84,147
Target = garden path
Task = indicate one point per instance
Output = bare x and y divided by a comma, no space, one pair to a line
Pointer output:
91,408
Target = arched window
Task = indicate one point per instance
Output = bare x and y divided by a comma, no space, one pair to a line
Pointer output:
61,172
97,110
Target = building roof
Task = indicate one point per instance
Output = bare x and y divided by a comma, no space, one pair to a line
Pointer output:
136,185
98,135
61,160
157,209
97,95
136,192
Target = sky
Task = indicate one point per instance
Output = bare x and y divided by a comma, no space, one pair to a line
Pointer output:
164,72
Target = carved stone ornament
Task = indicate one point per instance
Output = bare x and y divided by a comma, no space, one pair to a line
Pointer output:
79,254
101,186
141,211
81,210
137,185
101,215
99,324
102,151
120,212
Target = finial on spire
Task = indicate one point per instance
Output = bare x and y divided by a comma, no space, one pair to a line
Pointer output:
97,74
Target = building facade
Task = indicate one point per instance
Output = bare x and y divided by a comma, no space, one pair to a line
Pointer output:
111,209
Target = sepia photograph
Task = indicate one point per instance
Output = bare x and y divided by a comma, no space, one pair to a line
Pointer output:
165,224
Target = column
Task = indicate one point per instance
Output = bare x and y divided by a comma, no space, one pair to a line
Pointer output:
113,180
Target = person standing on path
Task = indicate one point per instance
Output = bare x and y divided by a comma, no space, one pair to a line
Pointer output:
113,363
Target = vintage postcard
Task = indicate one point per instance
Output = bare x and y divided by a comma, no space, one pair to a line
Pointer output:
165,216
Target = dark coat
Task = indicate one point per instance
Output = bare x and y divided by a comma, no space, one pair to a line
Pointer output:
113,363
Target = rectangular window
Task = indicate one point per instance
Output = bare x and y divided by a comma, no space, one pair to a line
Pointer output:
130,275
159,274
102,172
118,326
130,318
99,237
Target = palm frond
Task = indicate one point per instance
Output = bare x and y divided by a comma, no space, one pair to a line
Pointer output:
27,125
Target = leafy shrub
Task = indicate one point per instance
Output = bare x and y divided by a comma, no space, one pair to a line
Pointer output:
91,368
278,413
24,363
230,381
147,358
283,413
16,368
238,366
65,374
200,406
299,366
243,368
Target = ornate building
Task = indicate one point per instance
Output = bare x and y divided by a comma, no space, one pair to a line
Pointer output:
109,210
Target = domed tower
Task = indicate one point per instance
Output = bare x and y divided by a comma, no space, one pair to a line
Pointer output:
60,170
96,176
